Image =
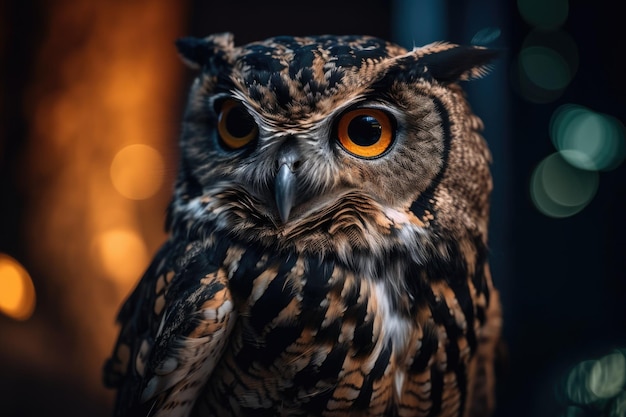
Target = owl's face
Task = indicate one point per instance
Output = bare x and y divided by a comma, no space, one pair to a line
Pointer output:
332,143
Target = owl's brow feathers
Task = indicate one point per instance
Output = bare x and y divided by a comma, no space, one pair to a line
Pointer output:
290,78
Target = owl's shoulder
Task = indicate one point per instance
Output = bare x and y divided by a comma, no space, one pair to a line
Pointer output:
183,296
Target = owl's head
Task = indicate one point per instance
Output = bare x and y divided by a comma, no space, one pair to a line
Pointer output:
332,143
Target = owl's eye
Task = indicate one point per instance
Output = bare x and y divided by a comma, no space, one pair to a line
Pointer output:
366,133
235,125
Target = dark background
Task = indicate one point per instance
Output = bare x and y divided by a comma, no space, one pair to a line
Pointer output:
562,281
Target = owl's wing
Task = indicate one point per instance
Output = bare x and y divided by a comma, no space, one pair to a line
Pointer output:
175,326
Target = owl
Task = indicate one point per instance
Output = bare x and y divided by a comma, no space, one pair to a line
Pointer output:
327,249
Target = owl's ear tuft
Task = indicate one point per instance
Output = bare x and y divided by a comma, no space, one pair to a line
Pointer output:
211,52
448,63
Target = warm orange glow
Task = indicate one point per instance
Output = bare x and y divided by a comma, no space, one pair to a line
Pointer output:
17,292
137,171
104,110
122,253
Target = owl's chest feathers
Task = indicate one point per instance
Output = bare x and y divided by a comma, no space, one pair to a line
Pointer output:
319,320
371,307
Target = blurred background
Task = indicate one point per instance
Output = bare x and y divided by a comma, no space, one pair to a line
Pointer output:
91,99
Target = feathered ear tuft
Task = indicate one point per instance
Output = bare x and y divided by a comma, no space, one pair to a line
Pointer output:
448,63
211,52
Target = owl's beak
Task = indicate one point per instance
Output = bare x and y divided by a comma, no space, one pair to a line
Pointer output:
285,187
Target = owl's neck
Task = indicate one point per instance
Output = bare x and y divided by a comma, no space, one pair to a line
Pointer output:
404,273
356,230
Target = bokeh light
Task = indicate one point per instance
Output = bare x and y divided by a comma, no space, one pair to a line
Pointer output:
546,64
607,375
596,385
545,14
122,253
545,67
618,408
559,189
486,36
137,171
17,292
542,74
573,411
558,41
576,389
96,118
587,139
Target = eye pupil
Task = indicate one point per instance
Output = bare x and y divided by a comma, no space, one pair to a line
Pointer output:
239,123
235,126
364,130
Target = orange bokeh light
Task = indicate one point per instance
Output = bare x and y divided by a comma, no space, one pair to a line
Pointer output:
122,254
103,109
17,292
137,171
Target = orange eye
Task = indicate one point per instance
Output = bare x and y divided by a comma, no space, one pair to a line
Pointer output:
236,127
366,133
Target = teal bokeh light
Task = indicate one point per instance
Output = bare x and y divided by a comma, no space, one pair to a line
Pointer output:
587,139
607,376
546,64
573,411
618,408
597,385
576,388
545,67
559,189
544,14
